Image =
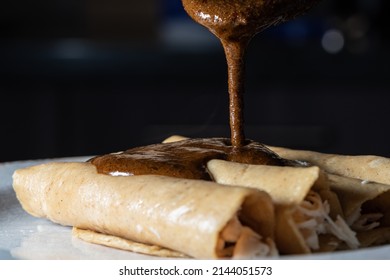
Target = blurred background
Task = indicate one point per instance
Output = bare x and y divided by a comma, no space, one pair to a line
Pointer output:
86,77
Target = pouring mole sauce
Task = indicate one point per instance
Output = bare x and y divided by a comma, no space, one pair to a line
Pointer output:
234,22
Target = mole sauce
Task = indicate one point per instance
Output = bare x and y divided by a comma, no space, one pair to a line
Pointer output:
234,22
183,159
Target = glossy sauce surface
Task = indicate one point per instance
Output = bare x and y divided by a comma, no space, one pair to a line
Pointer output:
183,159
234,22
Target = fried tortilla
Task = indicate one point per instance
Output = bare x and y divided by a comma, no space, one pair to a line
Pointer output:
197,218
362,184
365,167
306,208
124,244
366,207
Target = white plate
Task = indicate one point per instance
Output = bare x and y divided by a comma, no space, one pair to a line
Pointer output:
25,237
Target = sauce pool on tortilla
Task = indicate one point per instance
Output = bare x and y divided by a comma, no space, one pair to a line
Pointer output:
234,22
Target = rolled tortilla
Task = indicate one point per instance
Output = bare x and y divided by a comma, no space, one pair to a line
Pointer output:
366,206
303,201
272,179
364,167
198,218
124,244
362,184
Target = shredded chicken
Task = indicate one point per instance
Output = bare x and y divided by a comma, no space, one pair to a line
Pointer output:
312,218
241,242
367,222
251,245
363,222
353,217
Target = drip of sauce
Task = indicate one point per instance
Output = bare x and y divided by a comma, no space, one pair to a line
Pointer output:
234,22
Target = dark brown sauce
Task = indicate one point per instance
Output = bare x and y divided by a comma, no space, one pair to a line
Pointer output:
183,159
234,22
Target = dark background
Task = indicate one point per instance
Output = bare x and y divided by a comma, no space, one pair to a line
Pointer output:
85,77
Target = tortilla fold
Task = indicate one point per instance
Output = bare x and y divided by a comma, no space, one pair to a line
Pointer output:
364,167
187,216
124,244
366,206
354,193
272,179
305,205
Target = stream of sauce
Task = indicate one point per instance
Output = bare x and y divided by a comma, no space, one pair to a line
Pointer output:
234,22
